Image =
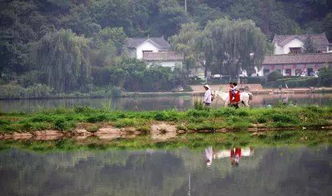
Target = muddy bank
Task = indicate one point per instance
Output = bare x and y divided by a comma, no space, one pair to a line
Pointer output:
161,131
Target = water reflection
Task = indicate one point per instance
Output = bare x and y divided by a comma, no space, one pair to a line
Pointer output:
155,103
234,154
271,171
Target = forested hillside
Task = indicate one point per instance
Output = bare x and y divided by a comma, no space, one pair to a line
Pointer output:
62,46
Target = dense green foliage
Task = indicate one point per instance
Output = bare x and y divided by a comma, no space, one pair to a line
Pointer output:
67,44
223,46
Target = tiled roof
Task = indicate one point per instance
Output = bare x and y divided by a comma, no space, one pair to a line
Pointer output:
162,56
297,59
320,42
160,42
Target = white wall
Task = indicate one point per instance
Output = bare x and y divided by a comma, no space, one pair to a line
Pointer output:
278,49
295,43
145,46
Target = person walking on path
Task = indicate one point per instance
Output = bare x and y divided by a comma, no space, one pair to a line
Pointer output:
207,96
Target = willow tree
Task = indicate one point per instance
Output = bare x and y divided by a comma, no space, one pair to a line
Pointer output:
233,46
64,57
185,43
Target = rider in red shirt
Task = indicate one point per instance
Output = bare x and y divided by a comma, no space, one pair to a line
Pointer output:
234,94
235,156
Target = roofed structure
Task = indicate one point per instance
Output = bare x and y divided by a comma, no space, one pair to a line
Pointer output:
320,41
162,56
298,59
160,42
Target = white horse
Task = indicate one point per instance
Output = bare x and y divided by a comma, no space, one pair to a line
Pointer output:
245,97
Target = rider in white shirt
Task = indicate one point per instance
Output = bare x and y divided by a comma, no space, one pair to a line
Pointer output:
207,96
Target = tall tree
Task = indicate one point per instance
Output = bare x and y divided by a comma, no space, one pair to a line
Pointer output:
308,45
170,18
234,46
327,26
185,43
64,57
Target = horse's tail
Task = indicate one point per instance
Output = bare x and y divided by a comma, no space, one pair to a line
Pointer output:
250,96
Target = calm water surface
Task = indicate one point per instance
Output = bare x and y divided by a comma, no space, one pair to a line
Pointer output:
265,171
154,103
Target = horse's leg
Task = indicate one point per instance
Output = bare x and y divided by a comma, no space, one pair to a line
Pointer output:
226,103
236,106
246,103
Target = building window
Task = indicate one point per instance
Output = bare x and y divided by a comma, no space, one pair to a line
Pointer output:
266,71
295,50
145,51
288,72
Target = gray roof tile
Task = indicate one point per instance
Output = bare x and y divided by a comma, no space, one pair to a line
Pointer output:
298,59
162,56
160,42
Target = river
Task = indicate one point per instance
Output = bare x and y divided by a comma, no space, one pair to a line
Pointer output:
154,102
264,171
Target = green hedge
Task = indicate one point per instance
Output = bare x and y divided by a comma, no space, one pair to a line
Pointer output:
15,91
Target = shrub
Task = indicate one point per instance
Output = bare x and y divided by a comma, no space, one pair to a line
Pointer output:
325,76
128,122
262,119
198,113
166,116
4,122
273,76
96,118
82,109
11,91
42,118
283,118
62,124
253,80
38,90
31,78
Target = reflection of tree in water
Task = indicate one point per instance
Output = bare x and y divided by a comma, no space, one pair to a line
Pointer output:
280,171
109,173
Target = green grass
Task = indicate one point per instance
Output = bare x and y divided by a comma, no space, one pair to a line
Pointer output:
195,119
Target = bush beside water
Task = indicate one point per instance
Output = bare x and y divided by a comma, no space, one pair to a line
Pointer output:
324,79
15,91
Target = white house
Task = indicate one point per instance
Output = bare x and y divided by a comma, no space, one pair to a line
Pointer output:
153,50
294,44
289,59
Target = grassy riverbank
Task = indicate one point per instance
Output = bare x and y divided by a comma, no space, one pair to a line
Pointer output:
192,120
84,128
